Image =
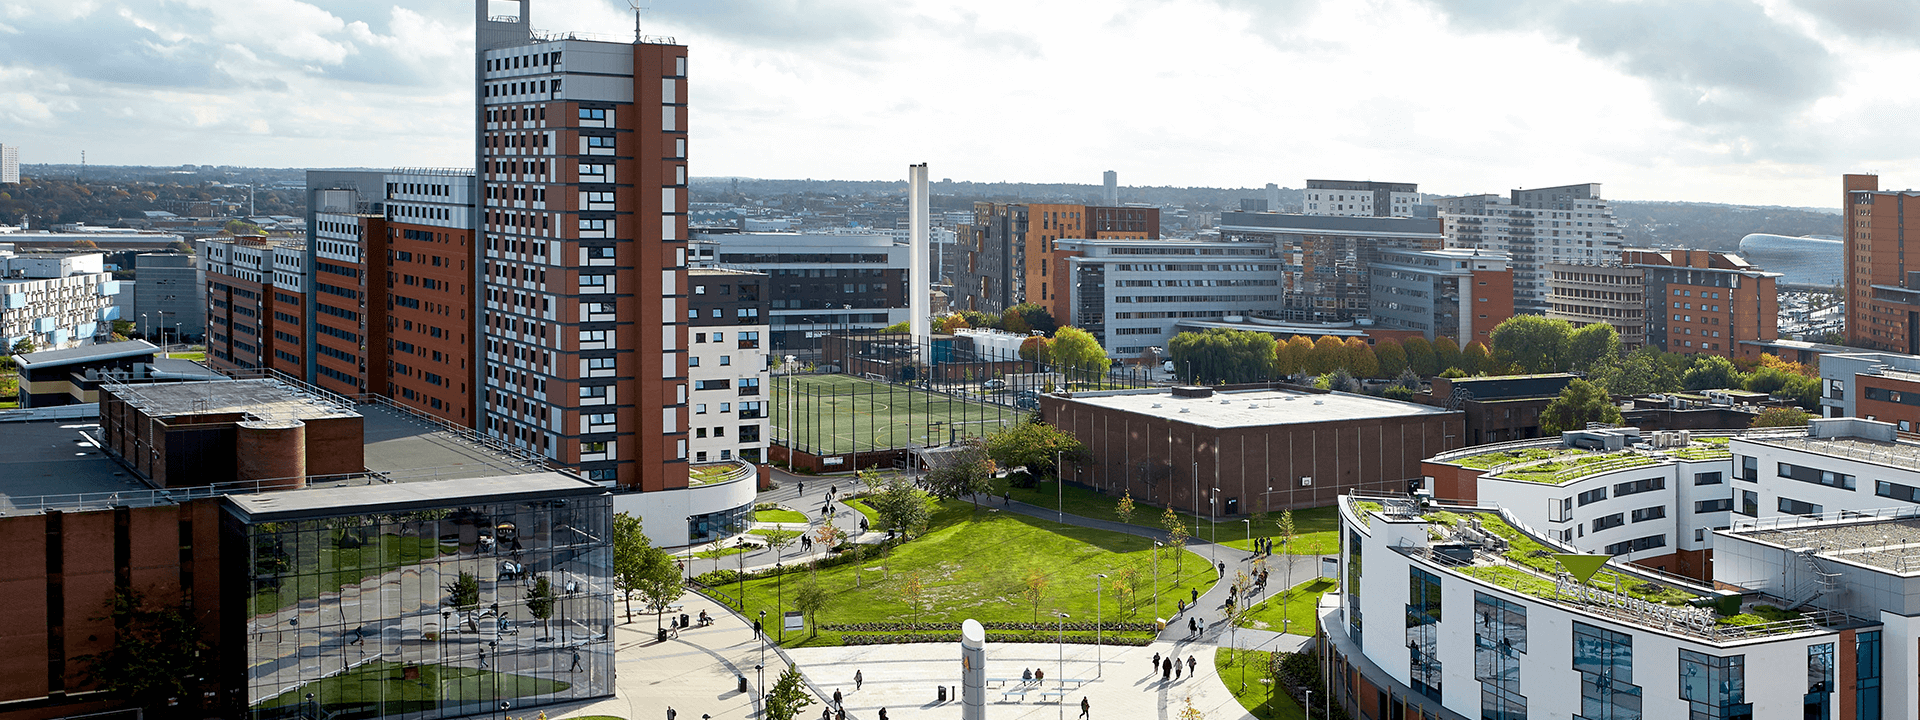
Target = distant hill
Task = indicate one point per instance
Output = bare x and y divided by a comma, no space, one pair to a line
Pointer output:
1714,226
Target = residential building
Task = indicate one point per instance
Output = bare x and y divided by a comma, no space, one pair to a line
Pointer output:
1871,385
1131,293
1589,294
9,163
55,300
1326,260
727,365
1883,299
1013,252
1355,198
1704,302
818,284
170,291
1457,293
1110,188
1536,227
257,308
582,165
1233,450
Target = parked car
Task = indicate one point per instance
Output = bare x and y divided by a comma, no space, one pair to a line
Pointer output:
994,384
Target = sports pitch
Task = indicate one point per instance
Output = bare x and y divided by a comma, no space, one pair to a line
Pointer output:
829,414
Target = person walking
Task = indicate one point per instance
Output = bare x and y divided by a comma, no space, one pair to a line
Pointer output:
576,661
1085,707
1196,596
857,679
1166,669
883,714
1190,663
1176,671
670,713
836,699
1223,568
803,489
1156,661
1193,627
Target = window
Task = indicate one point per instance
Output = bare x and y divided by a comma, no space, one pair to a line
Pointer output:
1706,478
1819,680
1604,659
1593,496
1499,639
1637,544
1897,491
599,114
1716,686
605,363
1423,630
749,433
1791,506
599,419
1714,505
1749,503
1750,468
726,359
1816,476
700,409
1866,674
1639,486
693,361
1650,513
599,141
1608,522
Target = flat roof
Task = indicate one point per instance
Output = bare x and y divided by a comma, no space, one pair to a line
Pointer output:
50,457
86,353
1253,408
1887,544
263,398
404,446
401,497
1904,455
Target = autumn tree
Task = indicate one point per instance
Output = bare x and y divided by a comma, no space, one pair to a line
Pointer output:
913,592
1780,417
1446,353
1475,359
1123,510
1391,357
1035,590
1420,358
1290,357
1329,352
1360,359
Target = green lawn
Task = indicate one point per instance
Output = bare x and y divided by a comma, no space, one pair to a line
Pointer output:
383,688
873,518
779,516
720,552
710,473
194,356
1294,611
1317,530
841,413
976,565
1257,697
327,569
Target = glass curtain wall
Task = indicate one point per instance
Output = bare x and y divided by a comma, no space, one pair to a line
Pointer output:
431,614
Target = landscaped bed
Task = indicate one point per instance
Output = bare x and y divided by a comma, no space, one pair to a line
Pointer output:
1558,471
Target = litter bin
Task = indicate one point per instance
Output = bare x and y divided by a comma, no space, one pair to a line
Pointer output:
662,633
743,682
943,693
683,620
1159,623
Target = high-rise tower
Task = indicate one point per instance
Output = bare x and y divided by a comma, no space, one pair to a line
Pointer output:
1883,297
582,208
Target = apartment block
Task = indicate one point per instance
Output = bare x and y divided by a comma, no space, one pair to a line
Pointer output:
55,300
1536,227
1702,302
1326,260
818,284
1611,294
170,293
1883,297
1457,293
9,163
583,229
1132,294
727,363
1354,198
1013,255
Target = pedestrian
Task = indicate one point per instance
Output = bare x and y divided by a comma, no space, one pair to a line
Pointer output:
1156,661
857,679
1223,568
1196,597
576,662
1085,708
670,713
1192,627
803,489
1166,669
756,629
1190,663
1176,670
836,699
826,714
883,714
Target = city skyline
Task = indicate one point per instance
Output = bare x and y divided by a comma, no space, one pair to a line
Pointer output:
1751,103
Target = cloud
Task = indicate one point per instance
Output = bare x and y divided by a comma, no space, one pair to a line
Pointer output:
1721,64
1892,21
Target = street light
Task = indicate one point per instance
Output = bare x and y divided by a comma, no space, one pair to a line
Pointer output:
1059,641
1156,579
1060,488
760,676
1196,496
1098,616
1249,522
780,599
1213,518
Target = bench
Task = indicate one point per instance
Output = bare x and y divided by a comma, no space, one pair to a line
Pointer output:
1021,692
1003,681
1057,695
1077,682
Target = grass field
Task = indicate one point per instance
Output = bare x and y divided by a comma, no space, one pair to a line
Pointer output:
779,516
1316,530
976,566
826,414
1294,611
1257,697
384,684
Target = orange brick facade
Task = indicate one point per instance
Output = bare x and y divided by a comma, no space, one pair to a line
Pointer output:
1882,307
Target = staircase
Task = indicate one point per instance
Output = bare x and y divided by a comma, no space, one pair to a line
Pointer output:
1818,581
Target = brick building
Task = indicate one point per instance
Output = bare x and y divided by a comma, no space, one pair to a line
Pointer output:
1704,302
1883,297
1013,255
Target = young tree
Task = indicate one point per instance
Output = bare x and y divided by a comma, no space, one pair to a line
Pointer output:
1391,357
1035,590
1535,343
913,592
1287,533
156,659
630,550
24,345
1081,355
828,534
540,601
1446,353
1420,358
962,472
789,695
779,540
1126,584
810,600
660,583
464,595
1361,360
1123,510
1580,403
1780,417
902,508
1035,348
1592,344
1176,539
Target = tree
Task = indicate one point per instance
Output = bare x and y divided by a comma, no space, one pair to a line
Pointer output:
963,471
901,506
1591,344
1329,352
86,244
913,592
947,324
630,547
1338,381
1124,508
828,534
810,600
1287,532
1475,359
1581,402
1391,357
1082,356
1419,354
1221,355
789,695
540,601
1640,372
1537,344
1034,348
1711,372
1176,539
157,657
1780,417
24,345
1032,445
660,582
181,246
1032,316
1361,360
780,539
1035,590
1290,357
1446,353
464,594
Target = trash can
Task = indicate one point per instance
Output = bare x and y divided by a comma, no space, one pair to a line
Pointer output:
1159,623
662,633
742,679
943,693
683,620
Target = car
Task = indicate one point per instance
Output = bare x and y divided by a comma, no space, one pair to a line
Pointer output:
1026,403
994,384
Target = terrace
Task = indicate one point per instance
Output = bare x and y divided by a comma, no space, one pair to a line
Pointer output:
1554,461
1490,547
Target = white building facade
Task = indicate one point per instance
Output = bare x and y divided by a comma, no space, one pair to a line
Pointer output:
1131,294
56,301
1569,224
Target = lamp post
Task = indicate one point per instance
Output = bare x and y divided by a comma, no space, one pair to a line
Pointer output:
1059,641
1060,489
1213,519
760,676
1098,616
1156,578
780,599
143,325
1309,708
1196,496
1249,522
176,334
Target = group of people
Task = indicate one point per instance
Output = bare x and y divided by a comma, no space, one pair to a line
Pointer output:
1033,675
1169,666
1263,547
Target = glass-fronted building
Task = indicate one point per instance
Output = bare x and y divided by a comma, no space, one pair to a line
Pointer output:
424,600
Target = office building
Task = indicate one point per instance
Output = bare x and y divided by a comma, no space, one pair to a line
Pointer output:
1326,260
1352,198
1131,294
1457,293
1110,186
1703,302
818,284
55,300
9,163
727,365
1536,227
1013,252
1232,450
582,165
169,296
1612,294
1883,299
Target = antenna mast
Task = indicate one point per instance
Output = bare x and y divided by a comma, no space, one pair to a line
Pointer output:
635,4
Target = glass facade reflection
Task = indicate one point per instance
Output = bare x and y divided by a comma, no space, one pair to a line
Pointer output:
1499,639
1604,659
1423,632
1716,686
430,613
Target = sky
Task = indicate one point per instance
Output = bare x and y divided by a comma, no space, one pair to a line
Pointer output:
1747,102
